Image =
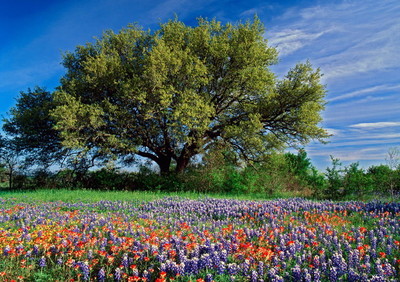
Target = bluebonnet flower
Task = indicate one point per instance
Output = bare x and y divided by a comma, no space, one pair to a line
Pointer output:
307,276
224,255
209,277
42,262
232,269
90,254
254,276
6,250
377,278
146,275
205,261
333,275
117,274
245,266
101,276
35,250
125,261
316,275
296,272
260,269
84,267
353,275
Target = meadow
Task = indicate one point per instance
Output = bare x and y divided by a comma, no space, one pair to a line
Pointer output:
141,236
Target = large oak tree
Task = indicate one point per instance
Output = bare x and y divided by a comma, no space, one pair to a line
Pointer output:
170,94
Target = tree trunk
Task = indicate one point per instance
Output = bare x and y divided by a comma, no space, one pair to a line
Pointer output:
182,163
188,151
10,178
164,163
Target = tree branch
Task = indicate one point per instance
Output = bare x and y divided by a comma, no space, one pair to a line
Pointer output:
148,155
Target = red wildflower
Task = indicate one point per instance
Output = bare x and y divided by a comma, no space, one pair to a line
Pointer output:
363,229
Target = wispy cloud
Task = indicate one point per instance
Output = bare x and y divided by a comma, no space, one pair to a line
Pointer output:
166,7
356,156
361,36
351,154
250,12
180,7
373,125
354,43
364,111
291,40
362,92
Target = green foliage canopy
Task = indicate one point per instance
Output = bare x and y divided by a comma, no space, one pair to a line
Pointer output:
32,128
171,94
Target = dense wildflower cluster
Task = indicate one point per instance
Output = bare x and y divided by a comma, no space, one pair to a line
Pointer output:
200,240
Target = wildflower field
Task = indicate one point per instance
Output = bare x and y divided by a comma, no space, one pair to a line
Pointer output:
208,239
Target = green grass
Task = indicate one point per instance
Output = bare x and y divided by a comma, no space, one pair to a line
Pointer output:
82,195
89,196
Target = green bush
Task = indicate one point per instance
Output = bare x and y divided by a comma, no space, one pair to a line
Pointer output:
356,182
307,175
334,176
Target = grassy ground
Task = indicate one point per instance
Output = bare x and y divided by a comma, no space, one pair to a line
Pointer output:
90,196
81,195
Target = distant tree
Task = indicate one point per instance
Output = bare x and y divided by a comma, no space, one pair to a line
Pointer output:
393,161
334,176
9,159
3,170
301,166
32,128
3,173
31,133
356,181
169,95
381,177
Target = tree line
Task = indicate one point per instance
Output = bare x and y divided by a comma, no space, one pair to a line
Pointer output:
280,175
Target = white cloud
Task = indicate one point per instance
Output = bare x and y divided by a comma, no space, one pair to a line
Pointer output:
373,125
364,142
250,12
383,136
355,44
291,40
165,8
361,92
360,156
362,36
180,7
351,113
351,155
364,135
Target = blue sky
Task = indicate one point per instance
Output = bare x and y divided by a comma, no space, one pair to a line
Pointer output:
354,43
